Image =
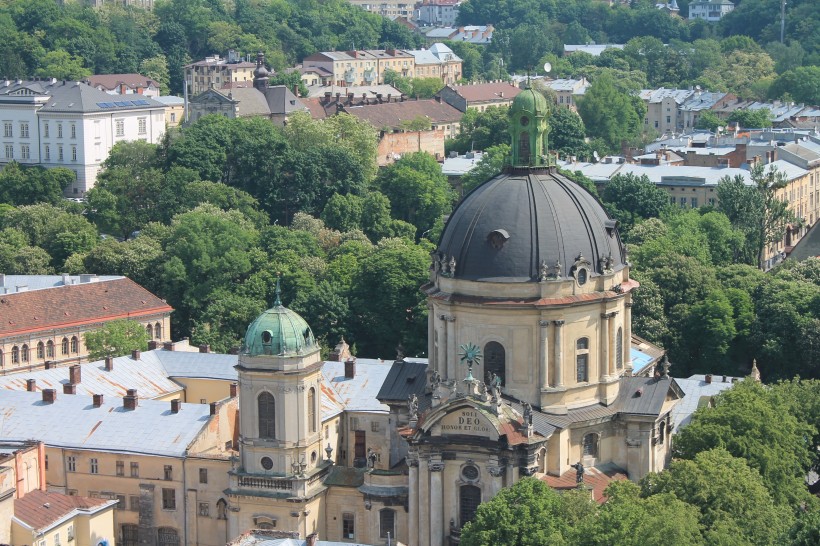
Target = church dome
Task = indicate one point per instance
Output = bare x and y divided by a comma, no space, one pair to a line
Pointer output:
513,225
531,102
279,332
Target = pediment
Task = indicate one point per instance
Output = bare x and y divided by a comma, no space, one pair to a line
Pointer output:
463,418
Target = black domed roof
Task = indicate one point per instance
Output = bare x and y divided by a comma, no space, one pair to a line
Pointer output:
507,227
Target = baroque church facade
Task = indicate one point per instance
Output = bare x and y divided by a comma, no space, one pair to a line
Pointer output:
528,374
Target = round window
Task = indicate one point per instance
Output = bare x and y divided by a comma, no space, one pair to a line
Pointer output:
267,463
581,276
525,121
266,336
469,472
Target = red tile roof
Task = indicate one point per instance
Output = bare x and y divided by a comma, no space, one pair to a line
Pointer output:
393,113
482,92
76,305
112,81
39,509
598,478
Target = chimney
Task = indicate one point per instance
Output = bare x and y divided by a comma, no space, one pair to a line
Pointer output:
153,345
233,351
724,379
98,400
205,348
31,385
74,375
69,388
168,345
49,396
131,392
49,364
708,378
129,401
175,405
213,408
233,390
109,363
311,539
350,368
122,89
135,354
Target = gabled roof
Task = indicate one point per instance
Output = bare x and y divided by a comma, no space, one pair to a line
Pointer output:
646,395
405,378
359,392
76,305
40,510
392,114
113,81
149,429
75,97
697,391
250,101
485,92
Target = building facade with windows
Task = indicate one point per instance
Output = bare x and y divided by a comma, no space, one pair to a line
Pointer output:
362,67
710,10
73,125
213,72
50,314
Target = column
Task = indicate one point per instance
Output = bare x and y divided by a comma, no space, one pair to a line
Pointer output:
436,508
559,354
441,357
543,355
431,337
611,328
603,351
628,336
424,503
452,373
413,516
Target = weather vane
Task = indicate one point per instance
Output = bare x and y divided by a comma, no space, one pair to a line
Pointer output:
472,355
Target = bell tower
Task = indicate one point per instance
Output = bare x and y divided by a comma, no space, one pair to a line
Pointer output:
528,129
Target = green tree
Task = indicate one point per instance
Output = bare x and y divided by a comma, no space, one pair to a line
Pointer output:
17,257
806,530
709,120
567,134
481,130
529,513
801,84
419,193
21,185
490,164
62,65
156,68
751,119
735,506
116,338
610,114
633,198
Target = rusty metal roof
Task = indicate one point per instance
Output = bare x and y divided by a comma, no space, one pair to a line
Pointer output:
359,392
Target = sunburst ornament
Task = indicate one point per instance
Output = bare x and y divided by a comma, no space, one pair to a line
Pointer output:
472,355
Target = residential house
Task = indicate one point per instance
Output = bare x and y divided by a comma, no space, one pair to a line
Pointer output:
710,10
438,61
362,67
362,92
390,9
44,518
438,13
473,34
275,103
314,76
701,101
663,112
125,84
70,124
214,71
567,91
479,96
49,315
174,109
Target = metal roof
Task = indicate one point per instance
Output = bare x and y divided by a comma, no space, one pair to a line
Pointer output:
696,388
73,422
40,282
458,166
644,395
405,378
185,364
359,392
73,96
593,49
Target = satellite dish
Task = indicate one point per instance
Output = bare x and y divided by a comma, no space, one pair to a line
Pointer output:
720,129
547,67
595,155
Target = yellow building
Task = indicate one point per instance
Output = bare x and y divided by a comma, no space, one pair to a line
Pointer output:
42,518
40,334
362,67
214,72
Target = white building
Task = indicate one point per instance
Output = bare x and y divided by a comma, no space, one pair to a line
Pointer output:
710,10
71,124
440,13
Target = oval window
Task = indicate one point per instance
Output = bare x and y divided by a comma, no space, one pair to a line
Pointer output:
267,463
582,276
469,472
525,121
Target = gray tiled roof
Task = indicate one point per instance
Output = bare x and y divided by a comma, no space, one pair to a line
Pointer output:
186,364
73,422
405,378
38,282
359,393
697,390
644,395
77,97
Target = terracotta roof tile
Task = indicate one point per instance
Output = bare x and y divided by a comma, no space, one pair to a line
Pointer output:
596,477
74,305
39,509
112,81
393,113
481,92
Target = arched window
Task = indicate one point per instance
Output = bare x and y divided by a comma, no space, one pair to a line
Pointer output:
661,433
24,353
267,415
75,345
312,409
168,536
590,445
158,330
387,523
50,349
65,346
469,499
15,355
221,509
41,350
494,359
582,360
150,331
524,147
130,535
619,349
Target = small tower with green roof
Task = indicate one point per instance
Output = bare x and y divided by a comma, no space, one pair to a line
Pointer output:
529,129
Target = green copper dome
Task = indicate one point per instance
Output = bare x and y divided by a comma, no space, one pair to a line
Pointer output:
278,332
528,129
